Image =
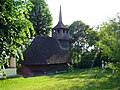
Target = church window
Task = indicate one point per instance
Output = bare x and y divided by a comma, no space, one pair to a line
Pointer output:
54,31
63,31
58,31
67,31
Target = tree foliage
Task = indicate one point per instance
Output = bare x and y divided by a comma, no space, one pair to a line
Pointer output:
15,28
41,18
109,40
82,37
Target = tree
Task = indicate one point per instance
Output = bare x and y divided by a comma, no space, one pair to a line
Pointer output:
77,28
82,37
15,28
41,18
109,40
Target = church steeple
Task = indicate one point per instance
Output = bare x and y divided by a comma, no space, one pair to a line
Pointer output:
60,23
60,15
61,32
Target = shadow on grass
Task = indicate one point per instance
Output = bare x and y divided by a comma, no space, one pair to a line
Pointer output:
79,73
103,80
112,83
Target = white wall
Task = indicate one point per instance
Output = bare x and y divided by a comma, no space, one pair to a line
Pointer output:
10,72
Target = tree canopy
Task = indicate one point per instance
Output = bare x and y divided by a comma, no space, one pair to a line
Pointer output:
15,28
82,37
41,18
109,40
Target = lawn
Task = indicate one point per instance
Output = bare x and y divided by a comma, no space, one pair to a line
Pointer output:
79,79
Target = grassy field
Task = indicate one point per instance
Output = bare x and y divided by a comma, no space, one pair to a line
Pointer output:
79,79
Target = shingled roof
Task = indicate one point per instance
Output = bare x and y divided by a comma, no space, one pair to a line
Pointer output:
45,50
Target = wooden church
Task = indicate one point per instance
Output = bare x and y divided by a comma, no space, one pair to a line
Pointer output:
48,54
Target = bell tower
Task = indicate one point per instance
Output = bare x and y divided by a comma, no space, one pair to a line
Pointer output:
61,32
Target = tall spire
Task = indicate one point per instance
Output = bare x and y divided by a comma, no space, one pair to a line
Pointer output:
60,23
60,15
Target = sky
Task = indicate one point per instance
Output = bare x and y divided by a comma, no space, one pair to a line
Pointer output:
91,12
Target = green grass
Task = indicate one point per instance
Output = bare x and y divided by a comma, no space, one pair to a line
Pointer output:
79,79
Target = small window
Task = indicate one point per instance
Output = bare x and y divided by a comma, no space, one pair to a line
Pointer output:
67,31
63,31
58,31
54,31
